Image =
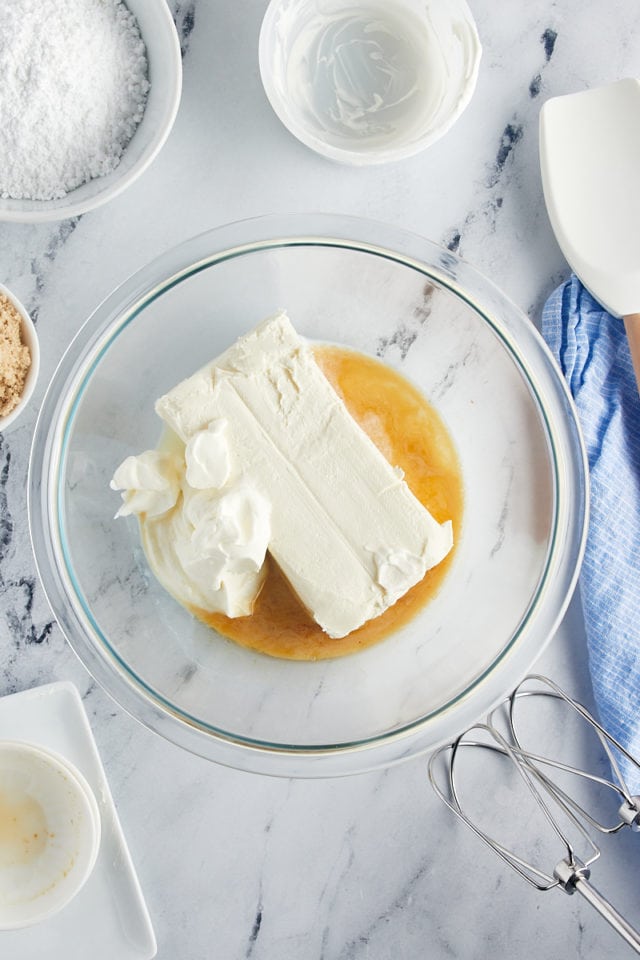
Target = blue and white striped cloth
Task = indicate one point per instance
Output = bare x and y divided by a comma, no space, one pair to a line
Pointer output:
593,353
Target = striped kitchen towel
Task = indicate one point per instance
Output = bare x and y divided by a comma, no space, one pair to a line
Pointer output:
593,353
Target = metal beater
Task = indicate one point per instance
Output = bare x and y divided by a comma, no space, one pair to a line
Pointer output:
565,817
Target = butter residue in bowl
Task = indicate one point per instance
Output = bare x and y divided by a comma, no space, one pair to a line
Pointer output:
371,80
15,357
365,73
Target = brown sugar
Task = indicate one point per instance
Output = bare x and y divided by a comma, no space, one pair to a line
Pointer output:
15,357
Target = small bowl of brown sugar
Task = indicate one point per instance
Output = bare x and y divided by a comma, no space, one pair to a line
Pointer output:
19,357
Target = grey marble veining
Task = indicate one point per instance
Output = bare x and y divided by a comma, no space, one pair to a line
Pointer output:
370,867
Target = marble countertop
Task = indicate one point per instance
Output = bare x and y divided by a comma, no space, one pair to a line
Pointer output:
235,865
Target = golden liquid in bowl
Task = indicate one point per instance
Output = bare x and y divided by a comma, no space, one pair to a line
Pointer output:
411,435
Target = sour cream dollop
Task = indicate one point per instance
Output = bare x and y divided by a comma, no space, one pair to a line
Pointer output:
205,530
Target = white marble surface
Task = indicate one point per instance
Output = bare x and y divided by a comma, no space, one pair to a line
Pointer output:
234,865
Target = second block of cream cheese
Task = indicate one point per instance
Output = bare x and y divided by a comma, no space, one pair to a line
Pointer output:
346,530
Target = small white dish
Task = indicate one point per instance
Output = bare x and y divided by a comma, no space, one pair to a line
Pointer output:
108,918
368,82
30,338
49,834
165,75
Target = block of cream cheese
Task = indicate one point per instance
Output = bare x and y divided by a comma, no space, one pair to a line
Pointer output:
346,530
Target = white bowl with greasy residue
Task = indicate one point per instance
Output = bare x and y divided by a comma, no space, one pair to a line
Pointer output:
371,81
49,833
434,321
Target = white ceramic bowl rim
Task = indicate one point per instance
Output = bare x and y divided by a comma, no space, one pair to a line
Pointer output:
555,409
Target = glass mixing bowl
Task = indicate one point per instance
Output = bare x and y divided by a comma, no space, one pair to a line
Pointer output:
473,355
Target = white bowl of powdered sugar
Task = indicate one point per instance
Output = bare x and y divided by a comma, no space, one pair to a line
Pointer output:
90,91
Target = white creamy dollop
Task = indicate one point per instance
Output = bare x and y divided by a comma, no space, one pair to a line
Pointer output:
207,457
394,568
150,483
205,533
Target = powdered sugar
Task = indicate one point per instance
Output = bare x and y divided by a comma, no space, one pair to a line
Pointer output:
73,89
